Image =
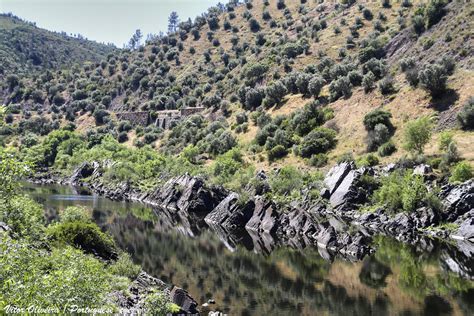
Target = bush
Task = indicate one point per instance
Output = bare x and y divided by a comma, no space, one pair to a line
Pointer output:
386,86
85,236
158,303
281,4
74,214
433,78
319,160
461,172
386,149
466,115
315,85
254,25
401,191
376,117
418,24
368,81
369,160
122,137
418,134
277,152
434,11
340,88
286,180
320,140
124,266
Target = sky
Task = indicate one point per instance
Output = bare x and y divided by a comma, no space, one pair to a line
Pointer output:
107,21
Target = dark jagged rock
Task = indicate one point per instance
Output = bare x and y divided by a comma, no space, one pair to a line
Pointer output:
327,238
189,194
336,175
344,184
230,213
85,170
459,200
265,217
425,217
181,298
422,170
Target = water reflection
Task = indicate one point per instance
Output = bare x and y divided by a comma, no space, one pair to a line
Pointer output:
397,280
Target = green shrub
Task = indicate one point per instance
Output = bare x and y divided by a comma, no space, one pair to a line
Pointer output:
320,140
319,160
50,279
23,215
340,88
124,266
386,149
277,152
376,117
74,214
466,115
445,138
85,236
401,191
369,160
159,303
433,79
418,134
286,180
386,86
461,172
434,11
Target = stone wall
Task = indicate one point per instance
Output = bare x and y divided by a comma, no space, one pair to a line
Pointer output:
190,111
136,118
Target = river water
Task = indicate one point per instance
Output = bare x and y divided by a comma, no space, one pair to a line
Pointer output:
397,280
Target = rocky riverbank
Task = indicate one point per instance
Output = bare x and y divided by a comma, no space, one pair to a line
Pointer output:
334,223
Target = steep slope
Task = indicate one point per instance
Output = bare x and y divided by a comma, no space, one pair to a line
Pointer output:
26,48
250,66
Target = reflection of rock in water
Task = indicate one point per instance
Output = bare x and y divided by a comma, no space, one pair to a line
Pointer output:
460,259
436,305
373,273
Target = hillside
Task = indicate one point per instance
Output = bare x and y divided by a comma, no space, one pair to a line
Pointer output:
25,48
287,82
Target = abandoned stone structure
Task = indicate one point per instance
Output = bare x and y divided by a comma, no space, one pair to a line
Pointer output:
135,118
165,119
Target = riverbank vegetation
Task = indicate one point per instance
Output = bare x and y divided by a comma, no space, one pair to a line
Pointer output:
66,264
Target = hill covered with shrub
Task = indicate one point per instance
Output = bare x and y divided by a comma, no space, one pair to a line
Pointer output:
27,49
283,82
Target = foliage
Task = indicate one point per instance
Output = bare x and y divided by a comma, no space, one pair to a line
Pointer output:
85,236
158,303
433,78
401,191
124,266
317,141
462,171
418,134
466,115
62,277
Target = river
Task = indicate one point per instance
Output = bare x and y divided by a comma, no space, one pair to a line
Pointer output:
397,280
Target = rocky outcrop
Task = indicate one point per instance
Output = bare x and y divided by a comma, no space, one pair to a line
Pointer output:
189,194
85,170
466,227
231,213
265,217
343,185
458,200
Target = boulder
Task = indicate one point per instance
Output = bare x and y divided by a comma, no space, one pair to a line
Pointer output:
181,298
265,217
230,213
459,200
425,217
4,227
336,175
350,190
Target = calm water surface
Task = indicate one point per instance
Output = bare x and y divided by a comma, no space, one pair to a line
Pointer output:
397,280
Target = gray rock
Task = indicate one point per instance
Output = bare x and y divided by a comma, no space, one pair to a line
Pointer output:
422,170
336,175
327,238
4,227
425,217
189,194
466,229
181,298
459,200
230,214
265,217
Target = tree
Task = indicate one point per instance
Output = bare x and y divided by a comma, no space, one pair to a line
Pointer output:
134,41
173,22
318,141
275,93
315,85
433,78
418,134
